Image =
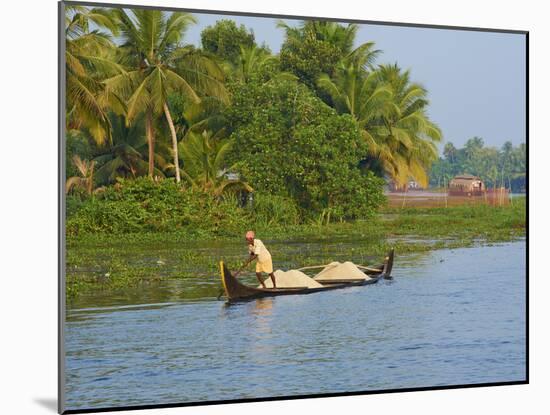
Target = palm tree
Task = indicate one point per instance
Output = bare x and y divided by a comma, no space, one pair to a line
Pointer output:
355,91
255,62
196,118
315,47
89,59
352,89
450,152
520,158
204,163
360,94
390,111
342,37
473,146
336,34
251,61
405,131
85,181
125,156
473,150
158,65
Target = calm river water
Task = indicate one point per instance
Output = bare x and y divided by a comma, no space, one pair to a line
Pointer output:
449,317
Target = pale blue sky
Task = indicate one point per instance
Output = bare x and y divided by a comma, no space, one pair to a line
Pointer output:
475,80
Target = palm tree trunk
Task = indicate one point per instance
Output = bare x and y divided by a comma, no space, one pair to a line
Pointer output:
150,141
174,142
91,179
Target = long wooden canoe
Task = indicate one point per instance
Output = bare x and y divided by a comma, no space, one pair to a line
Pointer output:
237,291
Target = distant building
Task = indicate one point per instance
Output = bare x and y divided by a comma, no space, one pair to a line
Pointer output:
413,185
467,185
410,185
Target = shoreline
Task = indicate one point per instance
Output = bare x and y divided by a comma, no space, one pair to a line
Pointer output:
107,263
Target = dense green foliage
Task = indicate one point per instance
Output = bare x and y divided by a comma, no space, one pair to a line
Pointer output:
142,205
316,48
305,135
180,256
307,54
289,143
77,144
496,167
271,210
390,111
169,143
225,39
145,206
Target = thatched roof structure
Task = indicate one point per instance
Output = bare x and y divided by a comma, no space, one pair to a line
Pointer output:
466,183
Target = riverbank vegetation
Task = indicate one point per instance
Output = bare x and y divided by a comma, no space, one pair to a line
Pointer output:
469,223
318,126
504,167
98,262
174,150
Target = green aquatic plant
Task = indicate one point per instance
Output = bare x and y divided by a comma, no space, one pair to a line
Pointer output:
131,260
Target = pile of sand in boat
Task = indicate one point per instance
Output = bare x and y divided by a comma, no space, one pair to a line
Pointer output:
333,271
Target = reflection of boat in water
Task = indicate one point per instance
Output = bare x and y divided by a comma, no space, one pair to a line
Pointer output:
328,279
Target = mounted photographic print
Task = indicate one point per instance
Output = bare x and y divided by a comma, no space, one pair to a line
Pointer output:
259,207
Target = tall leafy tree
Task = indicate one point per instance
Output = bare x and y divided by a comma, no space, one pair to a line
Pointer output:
89,56
473,154
198,117
257,63
158,64
313,48
507,160
355,91
450,152
125,156
473,146
225,39
291,144
339,36
334,33
497,167
251,61
405,132
390,111
205,166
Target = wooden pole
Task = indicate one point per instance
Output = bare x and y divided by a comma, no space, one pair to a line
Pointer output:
446,192
510,196
439,189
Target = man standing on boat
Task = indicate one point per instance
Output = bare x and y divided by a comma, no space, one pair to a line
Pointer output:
258,251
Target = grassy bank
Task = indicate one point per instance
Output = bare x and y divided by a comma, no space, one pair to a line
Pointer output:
462,223
97,262
468,223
